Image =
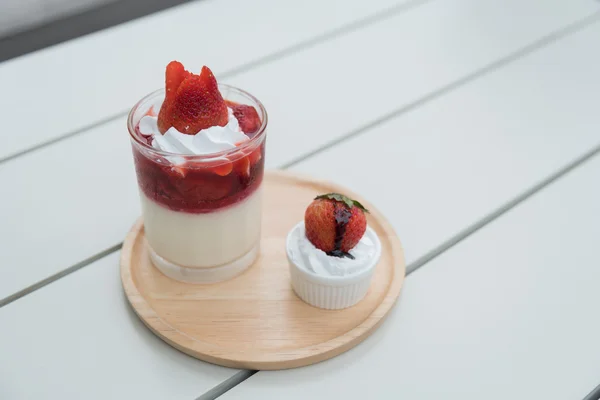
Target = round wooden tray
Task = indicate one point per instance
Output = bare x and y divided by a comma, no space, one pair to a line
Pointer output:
256,321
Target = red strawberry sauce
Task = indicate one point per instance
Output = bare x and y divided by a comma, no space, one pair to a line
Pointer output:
196,188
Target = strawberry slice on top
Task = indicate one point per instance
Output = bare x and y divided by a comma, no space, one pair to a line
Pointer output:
192,102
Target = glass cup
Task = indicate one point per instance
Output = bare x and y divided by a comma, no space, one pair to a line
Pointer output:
202,213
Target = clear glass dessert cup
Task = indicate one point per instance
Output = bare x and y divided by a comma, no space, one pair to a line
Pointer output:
202,213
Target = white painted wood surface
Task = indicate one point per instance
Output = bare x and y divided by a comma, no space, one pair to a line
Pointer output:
89,181
433,171
434,41
341,85
509,313
89,79
78,338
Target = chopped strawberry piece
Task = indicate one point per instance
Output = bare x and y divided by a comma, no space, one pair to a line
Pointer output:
223,169
179,170
192,102
242,166
255,155
247,118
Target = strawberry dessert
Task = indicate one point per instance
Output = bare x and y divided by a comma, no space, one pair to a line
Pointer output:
199,151
332,253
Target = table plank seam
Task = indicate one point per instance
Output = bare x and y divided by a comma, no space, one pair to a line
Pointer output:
524,51
503,209
357,25
63,137
594,394
227,385
269,58
58,275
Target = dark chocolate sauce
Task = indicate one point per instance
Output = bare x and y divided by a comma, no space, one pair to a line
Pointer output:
342,217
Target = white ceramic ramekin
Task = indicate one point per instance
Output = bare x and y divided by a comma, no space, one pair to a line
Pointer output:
331,292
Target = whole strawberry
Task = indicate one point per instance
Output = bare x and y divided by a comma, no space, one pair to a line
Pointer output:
335,223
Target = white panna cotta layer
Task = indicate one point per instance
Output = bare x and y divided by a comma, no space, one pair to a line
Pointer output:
203,247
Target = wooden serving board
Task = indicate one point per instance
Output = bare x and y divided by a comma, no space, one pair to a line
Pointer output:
256,321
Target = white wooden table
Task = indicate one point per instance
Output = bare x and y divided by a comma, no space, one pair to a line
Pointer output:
471,124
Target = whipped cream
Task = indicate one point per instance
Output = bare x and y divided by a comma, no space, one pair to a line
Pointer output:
305,255
207,141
